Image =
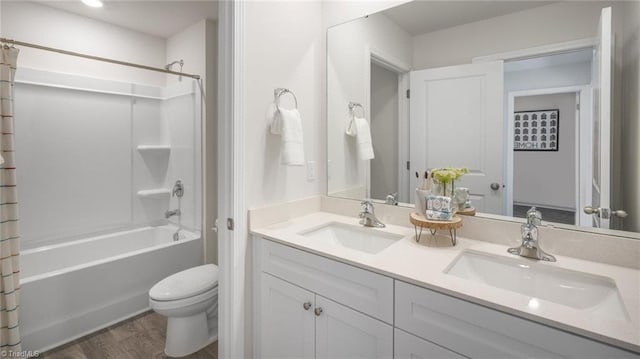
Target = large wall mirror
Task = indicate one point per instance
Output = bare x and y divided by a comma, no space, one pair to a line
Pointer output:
539,100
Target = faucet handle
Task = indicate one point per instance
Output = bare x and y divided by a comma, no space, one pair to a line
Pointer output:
367,205
178,189
534,216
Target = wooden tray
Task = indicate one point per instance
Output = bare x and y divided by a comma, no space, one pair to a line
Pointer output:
419,220
467,211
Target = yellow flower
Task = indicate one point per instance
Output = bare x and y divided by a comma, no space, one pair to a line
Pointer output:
448,174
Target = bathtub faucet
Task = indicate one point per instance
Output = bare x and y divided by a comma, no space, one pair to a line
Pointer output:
169,214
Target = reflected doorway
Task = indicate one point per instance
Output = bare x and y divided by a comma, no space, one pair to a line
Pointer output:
545,171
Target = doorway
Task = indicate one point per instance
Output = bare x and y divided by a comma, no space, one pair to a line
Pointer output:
545,171
384,132
555,181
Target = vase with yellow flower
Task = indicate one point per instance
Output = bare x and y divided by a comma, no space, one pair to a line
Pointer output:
445,178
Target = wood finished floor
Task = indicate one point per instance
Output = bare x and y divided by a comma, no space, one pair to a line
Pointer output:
140,337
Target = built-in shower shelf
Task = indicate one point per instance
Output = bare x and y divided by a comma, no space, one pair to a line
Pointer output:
157,193
154,148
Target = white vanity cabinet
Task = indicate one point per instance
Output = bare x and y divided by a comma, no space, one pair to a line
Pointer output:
309,306
313,307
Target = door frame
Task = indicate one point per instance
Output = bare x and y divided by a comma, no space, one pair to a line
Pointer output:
397,66
583,145
233,239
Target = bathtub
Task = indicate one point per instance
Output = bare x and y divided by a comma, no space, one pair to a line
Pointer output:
72,289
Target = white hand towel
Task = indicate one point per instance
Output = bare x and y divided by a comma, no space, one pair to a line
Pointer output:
359,128
273,119
292,137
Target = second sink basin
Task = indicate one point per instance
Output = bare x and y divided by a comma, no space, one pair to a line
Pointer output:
583,291
368,240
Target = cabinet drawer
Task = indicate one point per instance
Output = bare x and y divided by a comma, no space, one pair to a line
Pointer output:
367,292
478,332
409,346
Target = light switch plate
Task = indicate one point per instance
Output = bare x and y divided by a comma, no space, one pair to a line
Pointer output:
311,170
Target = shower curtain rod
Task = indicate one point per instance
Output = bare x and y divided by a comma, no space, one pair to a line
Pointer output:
91,57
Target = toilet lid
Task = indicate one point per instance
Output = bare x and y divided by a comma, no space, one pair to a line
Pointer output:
185,284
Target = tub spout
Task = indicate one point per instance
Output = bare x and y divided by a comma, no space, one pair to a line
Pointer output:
175,212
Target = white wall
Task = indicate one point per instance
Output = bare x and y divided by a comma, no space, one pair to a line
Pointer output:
631,115
547,178
549,24
548,77
70,184
384,131
284,48
348,77
197,46
63,30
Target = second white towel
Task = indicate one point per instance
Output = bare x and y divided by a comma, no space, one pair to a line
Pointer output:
289,124
359,128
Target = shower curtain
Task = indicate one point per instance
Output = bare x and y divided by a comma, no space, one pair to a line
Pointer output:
9,238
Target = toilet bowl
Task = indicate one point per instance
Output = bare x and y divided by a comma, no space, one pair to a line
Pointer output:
189,300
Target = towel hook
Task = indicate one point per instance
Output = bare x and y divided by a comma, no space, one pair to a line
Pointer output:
352,107
281,91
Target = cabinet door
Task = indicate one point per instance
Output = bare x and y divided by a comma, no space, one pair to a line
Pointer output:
344,333
286,320
409,346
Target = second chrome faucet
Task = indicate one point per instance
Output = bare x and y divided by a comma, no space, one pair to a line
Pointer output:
530,247
368,215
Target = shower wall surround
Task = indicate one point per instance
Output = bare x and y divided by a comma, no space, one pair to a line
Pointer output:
80,164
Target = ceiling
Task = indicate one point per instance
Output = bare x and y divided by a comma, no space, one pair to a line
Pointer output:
421,17
158,18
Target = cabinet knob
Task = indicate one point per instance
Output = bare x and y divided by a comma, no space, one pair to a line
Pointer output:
318,311
306,305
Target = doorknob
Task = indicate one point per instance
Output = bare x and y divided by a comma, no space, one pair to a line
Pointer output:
619,213
605,213
495,186
591,210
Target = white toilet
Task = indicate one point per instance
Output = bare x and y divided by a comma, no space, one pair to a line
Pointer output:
189,300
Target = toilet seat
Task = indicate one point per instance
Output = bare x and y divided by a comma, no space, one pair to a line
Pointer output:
164,305
188,284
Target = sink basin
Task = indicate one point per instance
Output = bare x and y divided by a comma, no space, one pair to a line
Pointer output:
583,291
363,239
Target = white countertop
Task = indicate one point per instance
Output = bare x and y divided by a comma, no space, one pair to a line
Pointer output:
424,265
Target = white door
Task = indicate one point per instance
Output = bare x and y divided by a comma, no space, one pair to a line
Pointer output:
344,333
601,81
287,327
456,120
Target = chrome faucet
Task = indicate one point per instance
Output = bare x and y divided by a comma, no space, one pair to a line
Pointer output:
368,215
175,212
177,191
530,247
